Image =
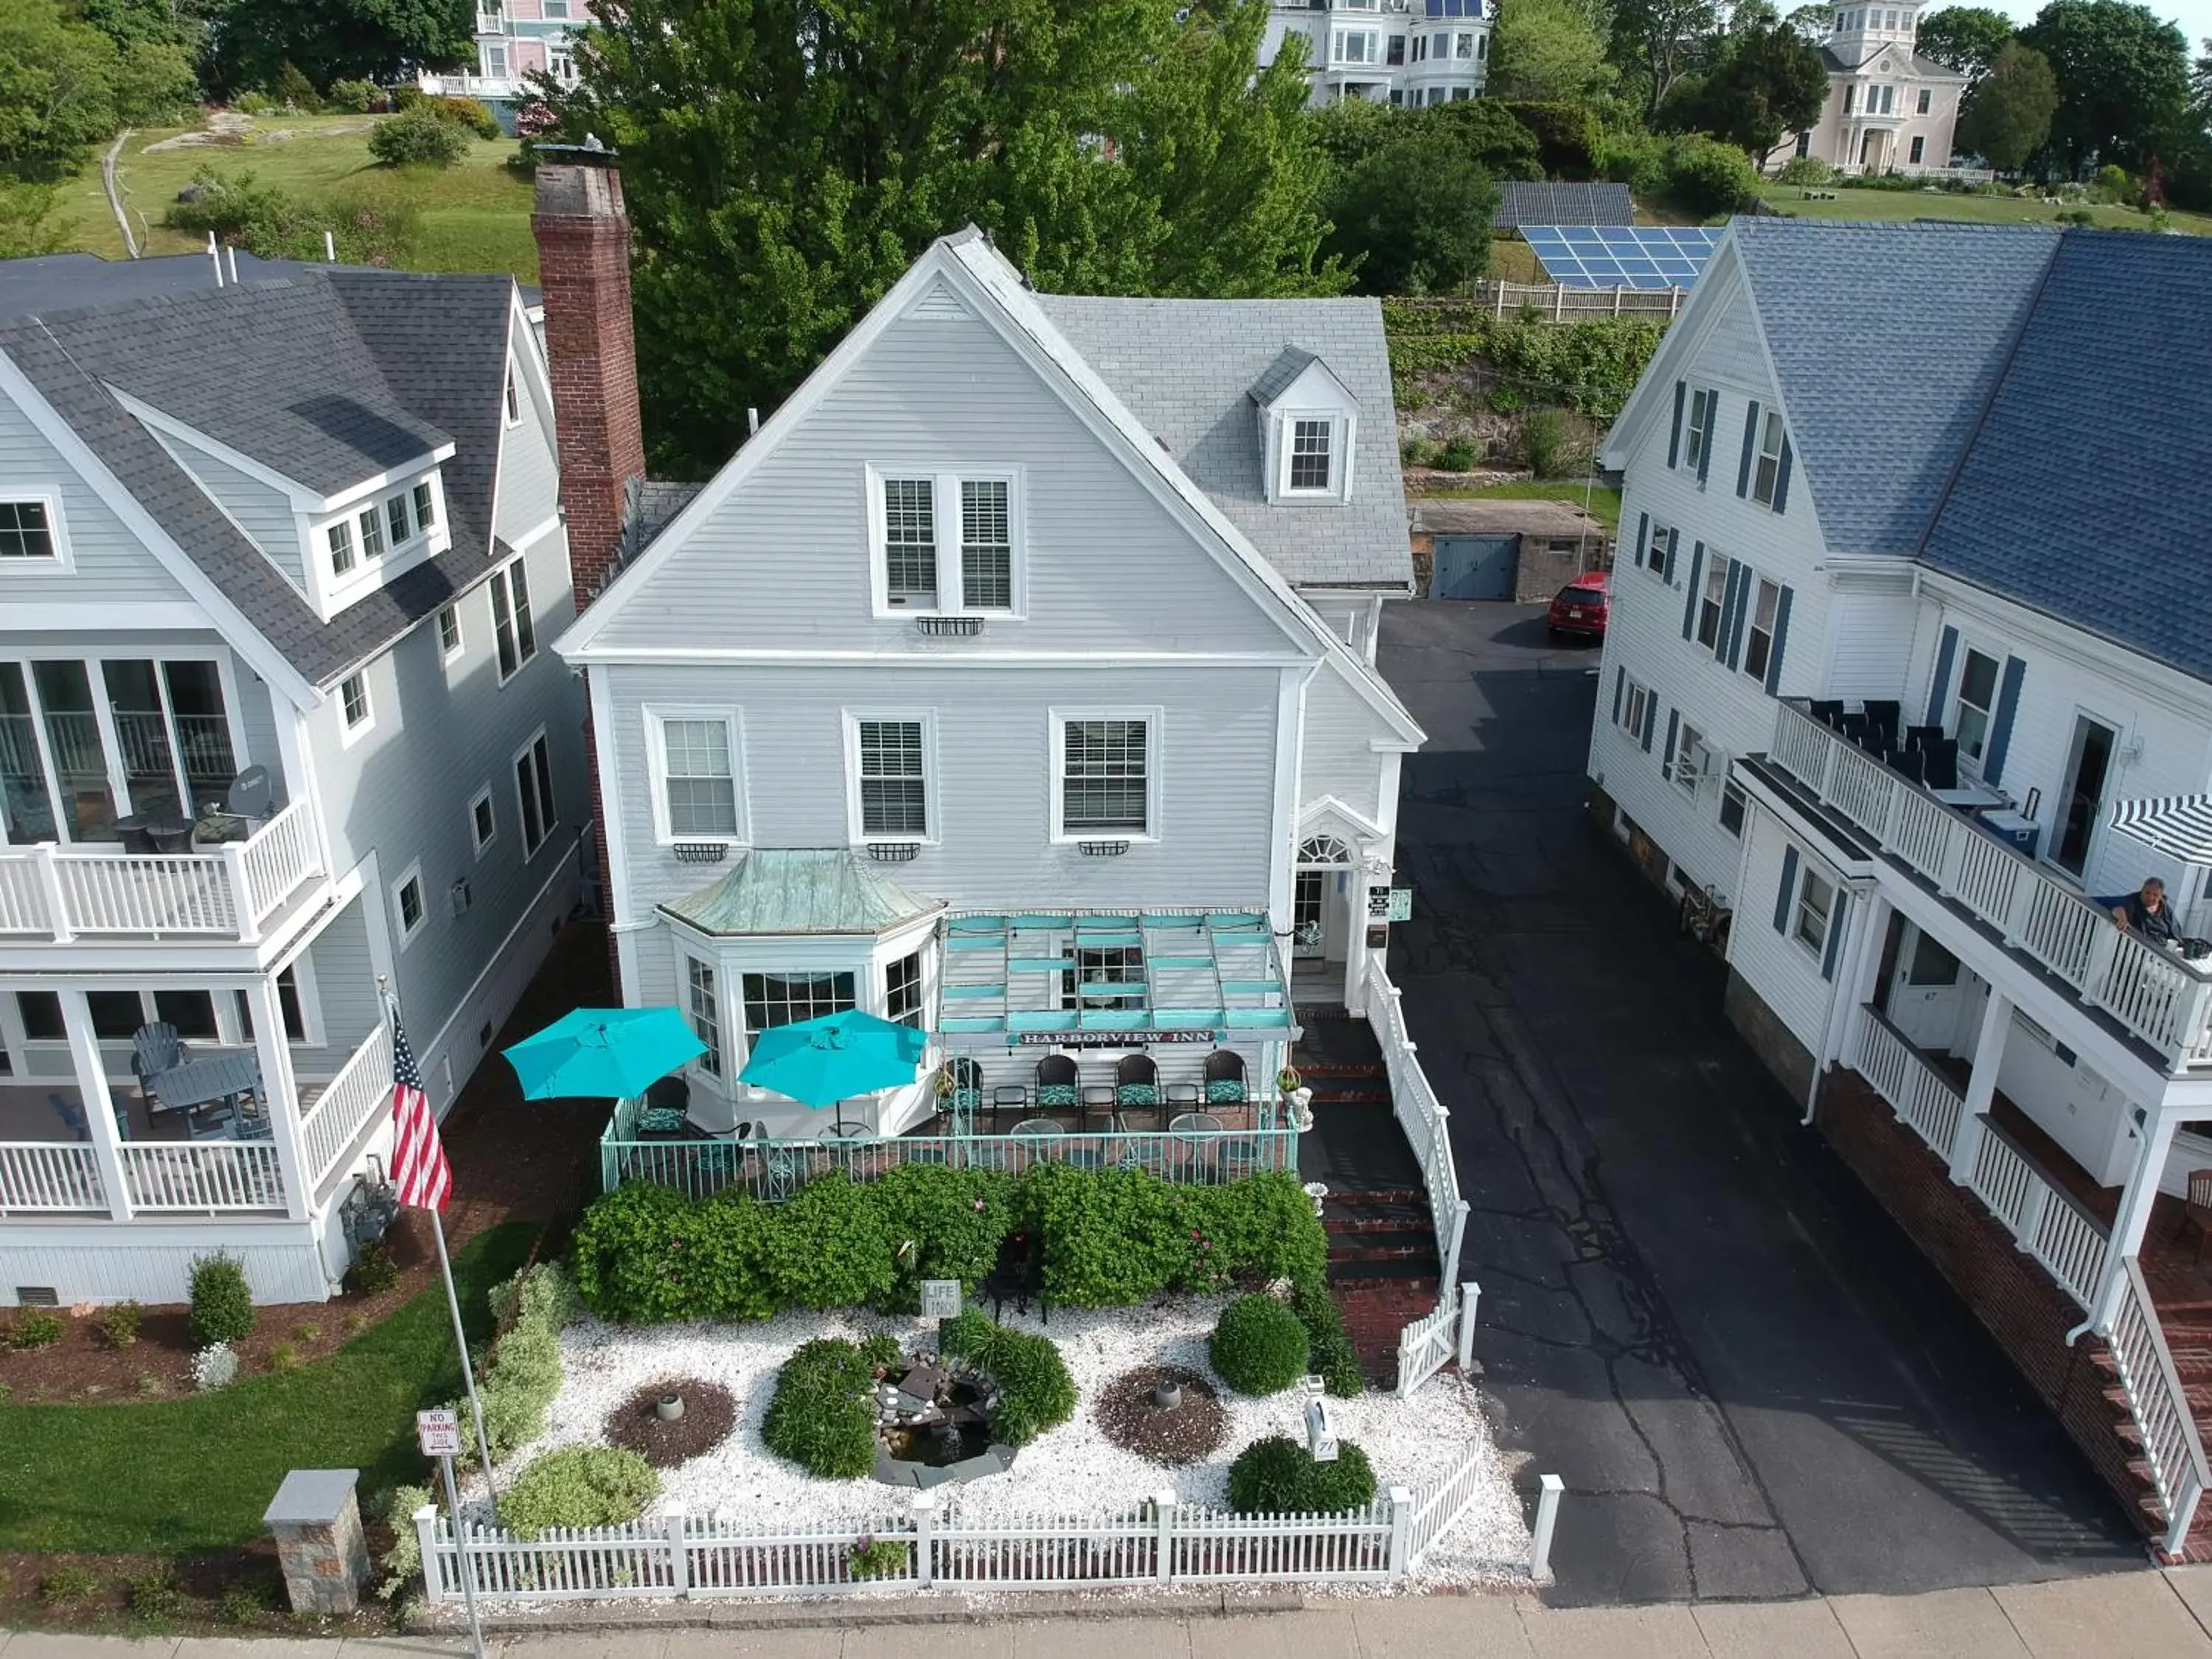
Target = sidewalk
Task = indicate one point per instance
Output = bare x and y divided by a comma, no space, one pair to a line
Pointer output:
2126,1616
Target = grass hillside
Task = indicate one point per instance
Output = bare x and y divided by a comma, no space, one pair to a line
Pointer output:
1891,204
474,216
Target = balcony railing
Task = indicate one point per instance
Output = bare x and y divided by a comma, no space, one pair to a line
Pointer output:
356,1095
58,894
2158,997
1921,1096
51,1178
202,1176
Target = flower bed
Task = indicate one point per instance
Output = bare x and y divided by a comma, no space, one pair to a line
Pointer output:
1071,1469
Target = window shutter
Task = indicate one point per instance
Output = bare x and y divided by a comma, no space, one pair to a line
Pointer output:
1675,441
2001,720
1642,535
1787,891
1620,685
1750,448
1667,756
1782,478
1939,692
1697,578
1712,423
1837,918
1651,720
1740,579
1674,568
1781,639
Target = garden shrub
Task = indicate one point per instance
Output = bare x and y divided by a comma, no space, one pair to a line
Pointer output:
403,1562
579,1487
1036,1392
35,1329
1278,1476
215,1366
1111,1237
879,1558
1261,1227
354,97
1805,170
417,135
828,1247
524,1372
955,1218
223,1306
467,115
119,1322
1329,1353
374,1269
253,103
724,1272
1458,455
630,1255
823,1416
1706,177
1547,444
1259,1345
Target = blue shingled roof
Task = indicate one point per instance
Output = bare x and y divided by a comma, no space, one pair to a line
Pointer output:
2082,495
1888,339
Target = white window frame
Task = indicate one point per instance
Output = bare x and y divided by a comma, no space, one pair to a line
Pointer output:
56,532
1970,761
1714,595
1699,418
501,580
656,764
493,53
855,831
1655,557
1801,910
1686,767
1766,464
451,650
511,404
1339,454
351,731
1758,636
548,821
946,521
1732,793
1331,454
718,1051
1638,703
412,876
1056,724
482,841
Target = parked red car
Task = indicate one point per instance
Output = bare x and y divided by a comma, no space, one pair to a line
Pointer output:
1582,607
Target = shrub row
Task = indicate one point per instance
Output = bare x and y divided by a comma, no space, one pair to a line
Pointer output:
1036,1392
1592,367
523,1373
646,1254
823,1416
579,1487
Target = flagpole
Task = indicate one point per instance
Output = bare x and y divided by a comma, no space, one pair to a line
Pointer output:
452,1307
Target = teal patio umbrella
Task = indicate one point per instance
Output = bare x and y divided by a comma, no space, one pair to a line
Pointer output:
617,1052
819,1062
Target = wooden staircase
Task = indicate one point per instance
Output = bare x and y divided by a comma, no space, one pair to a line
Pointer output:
2182,1294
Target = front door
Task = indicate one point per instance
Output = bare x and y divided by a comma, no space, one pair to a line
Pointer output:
1474,568
1924,992
2088,767
1308,925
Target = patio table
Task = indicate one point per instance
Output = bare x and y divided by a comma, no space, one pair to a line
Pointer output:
197,1082
1040,1132
1193,1132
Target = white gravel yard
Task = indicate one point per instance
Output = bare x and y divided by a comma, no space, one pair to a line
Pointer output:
1074,1469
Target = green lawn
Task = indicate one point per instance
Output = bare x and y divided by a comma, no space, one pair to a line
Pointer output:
196,1473
1603,504
1943,204
475,215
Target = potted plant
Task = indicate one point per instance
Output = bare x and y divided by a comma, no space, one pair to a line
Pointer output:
1295,1096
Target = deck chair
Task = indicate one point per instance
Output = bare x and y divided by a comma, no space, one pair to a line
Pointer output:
1058,1082
155,1050
1224,1078
1137,1083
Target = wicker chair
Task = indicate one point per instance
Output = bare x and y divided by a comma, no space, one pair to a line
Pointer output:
1137,1083
1058,1082
1224,1078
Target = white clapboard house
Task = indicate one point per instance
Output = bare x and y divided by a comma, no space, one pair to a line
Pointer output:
978,691
281,562
1909,666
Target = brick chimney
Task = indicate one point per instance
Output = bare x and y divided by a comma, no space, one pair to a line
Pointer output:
583,265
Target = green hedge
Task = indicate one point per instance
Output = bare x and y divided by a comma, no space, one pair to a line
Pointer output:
519,1381
1036,1392
646,1254
1278,1476
579,1487
823,1416
1259,1345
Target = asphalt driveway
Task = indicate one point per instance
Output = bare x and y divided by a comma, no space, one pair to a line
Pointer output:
1751,1381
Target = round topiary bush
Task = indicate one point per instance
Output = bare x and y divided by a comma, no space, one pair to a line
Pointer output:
1278,1476
824,1415
579,1487
222,1305
1259,1345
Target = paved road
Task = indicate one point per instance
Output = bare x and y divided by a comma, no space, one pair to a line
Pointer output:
1752,1384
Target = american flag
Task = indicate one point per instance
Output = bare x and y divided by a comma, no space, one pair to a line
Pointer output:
419,1169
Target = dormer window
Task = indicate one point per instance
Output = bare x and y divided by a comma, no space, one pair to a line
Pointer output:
1307,423
340,536
375,537
1312,444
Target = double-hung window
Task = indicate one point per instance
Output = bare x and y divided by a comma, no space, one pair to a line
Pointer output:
1638,706
1926,102
371,521
511,629
352,703
533,788
1697,430
910,542
1311,454
987,546
340,536
1658,552
697,755
1978,698
891,761
483,820
702,1006
1686,765
1766,471
1106,770
1759,644
1712,601
449,632
903,990
1733,805
947,543
26,530
1816,909
407,902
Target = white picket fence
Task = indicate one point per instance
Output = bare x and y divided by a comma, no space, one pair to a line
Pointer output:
678,1554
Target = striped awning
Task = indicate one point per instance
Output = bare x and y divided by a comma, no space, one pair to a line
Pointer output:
2179,825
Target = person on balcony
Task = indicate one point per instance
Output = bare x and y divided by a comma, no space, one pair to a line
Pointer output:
2148,913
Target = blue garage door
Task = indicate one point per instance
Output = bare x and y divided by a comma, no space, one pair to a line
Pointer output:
1474,567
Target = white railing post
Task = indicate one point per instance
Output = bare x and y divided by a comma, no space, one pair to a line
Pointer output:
925,1539
1163,1508
1402,1526
426,1537
1458,1223
2032,1203
49,876
1548,1489
241,892
1470,1297
675,1523
2104,946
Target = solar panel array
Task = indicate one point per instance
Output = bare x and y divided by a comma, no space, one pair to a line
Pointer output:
1619,256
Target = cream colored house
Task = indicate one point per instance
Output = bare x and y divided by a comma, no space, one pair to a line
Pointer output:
1889,109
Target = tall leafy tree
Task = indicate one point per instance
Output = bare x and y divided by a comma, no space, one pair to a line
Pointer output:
2122,82
1965,38
1547,51
1659,41
784,161
335,40
65,87
1414,214
1770,83
2007,116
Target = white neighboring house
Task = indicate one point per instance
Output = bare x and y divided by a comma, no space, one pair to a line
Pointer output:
305,529
515,38
1407,53
1889,109
966,695
1978,546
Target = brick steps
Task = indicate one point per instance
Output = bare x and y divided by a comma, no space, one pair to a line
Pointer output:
1320,1071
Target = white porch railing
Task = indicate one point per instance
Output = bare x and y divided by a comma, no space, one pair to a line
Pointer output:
2165,1424
2160,998
1919,1094
61,893
49,1177
202,1176
2069,1241
1421,1115
357,1094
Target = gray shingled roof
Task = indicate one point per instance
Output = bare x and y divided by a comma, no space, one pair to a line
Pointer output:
1187,367
1529,203
2082,495
327,377
70,281
1888,339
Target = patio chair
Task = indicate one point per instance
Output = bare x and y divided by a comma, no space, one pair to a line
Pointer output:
155,1048
216,1121
1919,737
1136,1083
1907,763
1224,1078
1058,1082
1010,1096
1943,766
1884,711
1828,710
966,1095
